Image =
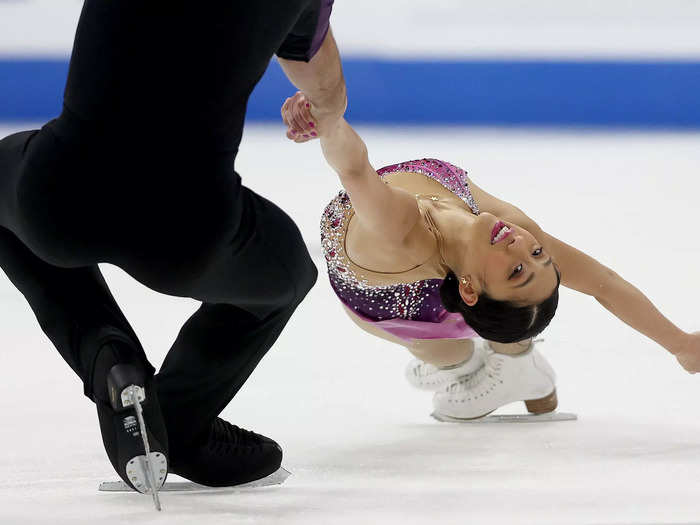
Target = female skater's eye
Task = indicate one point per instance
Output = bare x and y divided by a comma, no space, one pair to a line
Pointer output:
537,252
517,270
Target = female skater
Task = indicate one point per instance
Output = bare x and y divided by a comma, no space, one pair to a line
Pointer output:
420,255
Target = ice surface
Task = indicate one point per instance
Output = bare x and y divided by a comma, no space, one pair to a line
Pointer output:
358,440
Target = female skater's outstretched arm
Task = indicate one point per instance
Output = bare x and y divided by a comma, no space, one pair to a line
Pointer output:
392,213
583,273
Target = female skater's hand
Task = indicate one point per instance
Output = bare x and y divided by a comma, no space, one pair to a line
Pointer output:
296,115
688,354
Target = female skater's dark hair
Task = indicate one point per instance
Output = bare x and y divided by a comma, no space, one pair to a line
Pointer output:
500,321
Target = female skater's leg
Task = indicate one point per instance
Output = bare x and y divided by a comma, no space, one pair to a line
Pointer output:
470,380
438,361
439,352
447,352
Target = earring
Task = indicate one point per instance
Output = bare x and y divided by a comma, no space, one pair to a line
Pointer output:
464,281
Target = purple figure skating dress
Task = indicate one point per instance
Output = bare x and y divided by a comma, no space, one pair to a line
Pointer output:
410,310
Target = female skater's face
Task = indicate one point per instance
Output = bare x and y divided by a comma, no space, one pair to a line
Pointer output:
513,264
510,266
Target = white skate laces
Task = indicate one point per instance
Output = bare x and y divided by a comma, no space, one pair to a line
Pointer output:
503,379
425,376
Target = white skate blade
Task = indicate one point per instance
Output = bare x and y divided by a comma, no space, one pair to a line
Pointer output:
276,478
508,418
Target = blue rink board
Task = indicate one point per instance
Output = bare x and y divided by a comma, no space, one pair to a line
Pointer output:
486,92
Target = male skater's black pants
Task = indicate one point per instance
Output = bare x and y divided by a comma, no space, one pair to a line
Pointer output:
138,171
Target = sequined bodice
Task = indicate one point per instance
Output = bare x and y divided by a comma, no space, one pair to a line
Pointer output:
416,300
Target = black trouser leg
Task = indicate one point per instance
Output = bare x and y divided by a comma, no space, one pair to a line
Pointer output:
214,354
138,172
74,307
221,344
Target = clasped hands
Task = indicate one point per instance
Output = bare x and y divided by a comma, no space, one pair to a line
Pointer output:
305,121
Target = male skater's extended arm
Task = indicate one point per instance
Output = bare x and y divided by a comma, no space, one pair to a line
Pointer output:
321,80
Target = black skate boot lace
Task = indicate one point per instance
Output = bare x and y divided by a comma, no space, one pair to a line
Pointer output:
226,438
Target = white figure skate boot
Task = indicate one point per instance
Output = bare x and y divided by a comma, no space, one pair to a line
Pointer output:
503,379
425,376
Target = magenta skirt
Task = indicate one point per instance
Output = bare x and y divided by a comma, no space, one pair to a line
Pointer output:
449,326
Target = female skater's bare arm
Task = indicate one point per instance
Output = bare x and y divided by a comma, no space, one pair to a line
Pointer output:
383,212
583,273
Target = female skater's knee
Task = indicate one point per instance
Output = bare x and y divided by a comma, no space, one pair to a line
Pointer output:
442,352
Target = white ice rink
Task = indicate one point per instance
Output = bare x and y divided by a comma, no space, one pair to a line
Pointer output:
356,437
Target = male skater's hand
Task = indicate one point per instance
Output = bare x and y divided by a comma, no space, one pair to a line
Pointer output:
688,354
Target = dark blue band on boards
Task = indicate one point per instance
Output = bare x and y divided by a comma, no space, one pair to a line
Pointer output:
633,94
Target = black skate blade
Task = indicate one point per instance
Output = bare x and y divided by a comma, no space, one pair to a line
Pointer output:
276,478
508,418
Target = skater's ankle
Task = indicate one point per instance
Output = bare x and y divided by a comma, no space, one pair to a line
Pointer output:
456,365
109,355
183,441
516,348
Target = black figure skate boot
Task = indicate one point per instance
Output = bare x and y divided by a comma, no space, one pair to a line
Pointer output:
227,456
133,431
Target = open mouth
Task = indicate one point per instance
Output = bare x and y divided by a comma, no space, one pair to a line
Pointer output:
500,231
